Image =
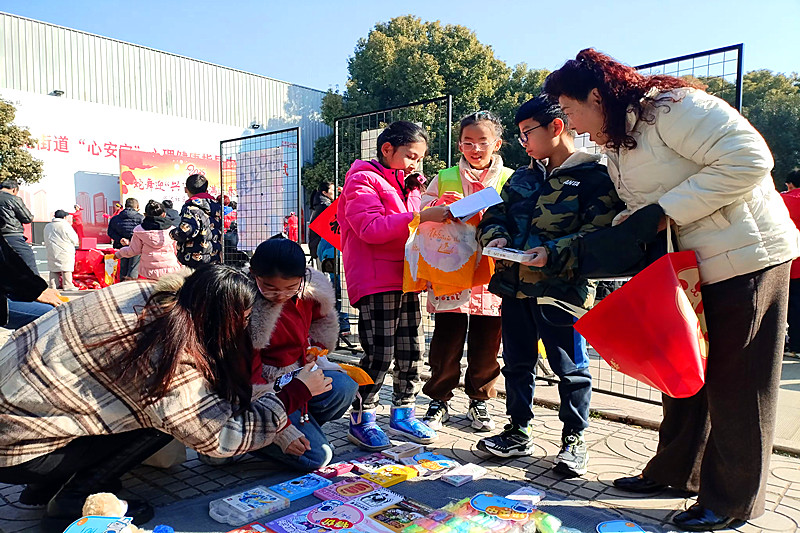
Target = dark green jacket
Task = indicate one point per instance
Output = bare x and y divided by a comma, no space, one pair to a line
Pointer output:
550,211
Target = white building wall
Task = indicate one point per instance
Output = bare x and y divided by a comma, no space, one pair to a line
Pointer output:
38,57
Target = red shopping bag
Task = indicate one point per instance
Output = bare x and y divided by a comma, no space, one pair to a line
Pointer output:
652,328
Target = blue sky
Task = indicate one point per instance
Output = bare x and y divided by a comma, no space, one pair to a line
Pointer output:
309,42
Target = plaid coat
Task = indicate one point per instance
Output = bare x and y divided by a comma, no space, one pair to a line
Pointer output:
53,388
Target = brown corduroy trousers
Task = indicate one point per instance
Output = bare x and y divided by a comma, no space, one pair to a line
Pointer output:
447,348
719,441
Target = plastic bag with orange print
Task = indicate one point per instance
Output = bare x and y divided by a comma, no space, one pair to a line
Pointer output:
444,256
653,327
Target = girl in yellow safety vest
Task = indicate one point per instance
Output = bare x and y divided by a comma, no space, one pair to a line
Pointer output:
480,166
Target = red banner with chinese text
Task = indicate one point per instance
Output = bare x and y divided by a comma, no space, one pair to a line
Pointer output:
327,227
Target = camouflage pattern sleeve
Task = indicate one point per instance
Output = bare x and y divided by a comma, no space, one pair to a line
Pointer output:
599,207
494,223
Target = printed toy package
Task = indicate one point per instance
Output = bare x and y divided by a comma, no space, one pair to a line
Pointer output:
430,465
347,489
246,506
334,470
297,488
528,495
255,527
375,500
464,474
325,517
619,526
370,463
401,451
98,524
389,475
400,515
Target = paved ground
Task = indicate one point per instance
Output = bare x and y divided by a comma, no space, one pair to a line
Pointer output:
620,443
616,449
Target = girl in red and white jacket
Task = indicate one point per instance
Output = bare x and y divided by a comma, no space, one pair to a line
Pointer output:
379,200
295,315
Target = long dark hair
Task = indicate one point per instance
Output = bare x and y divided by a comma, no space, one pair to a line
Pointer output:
402,133
278,256
621,88
204,320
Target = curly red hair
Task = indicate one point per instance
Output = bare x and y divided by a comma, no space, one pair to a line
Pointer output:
621,88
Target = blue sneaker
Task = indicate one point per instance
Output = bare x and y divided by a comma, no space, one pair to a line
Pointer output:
404,423
366,433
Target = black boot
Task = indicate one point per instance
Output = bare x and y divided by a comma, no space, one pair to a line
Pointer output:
67,505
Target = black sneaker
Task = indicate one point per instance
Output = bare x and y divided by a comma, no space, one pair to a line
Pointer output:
514,440
479,414
573,459
437,414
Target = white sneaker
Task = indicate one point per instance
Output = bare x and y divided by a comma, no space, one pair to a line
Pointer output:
479,414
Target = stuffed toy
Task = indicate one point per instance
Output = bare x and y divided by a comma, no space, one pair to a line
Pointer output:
107,504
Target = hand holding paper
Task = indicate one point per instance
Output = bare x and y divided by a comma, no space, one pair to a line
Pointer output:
473,204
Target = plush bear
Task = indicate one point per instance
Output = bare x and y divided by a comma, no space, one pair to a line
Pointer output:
107,504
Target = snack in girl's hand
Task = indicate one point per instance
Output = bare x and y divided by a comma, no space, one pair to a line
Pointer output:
284,380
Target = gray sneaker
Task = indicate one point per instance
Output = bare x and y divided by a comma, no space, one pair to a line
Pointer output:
573,459
479,414
437,414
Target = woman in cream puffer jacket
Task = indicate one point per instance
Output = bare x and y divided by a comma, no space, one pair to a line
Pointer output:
675,150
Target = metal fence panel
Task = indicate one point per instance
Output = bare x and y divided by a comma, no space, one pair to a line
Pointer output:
263,173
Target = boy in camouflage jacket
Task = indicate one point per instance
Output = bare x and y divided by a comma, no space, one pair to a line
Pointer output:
561,195
199,232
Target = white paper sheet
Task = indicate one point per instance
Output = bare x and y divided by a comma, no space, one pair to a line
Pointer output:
475,203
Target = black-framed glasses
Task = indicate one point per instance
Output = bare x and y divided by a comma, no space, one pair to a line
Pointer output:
522,138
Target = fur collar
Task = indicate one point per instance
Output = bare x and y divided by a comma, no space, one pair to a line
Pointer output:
265,313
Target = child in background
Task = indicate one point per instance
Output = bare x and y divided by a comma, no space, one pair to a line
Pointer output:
199,233
379,200
152,242
296,311
480,137
60,241
561,195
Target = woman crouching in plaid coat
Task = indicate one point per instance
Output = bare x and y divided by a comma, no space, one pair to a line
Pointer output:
90,390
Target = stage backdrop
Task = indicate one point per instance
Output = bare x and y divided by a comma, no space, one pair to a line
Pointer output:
80,144
152,176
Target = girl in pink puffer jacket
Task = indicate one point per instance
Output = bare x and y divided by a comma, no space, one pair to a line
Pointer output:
152,242
379,200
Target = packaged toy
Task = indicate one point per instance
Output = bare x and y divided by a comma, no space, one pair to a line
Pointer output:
389,475
246,506
297,488
334,470
464,474
401,451
400,515
325,517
